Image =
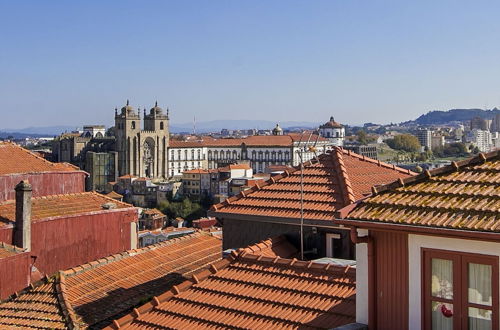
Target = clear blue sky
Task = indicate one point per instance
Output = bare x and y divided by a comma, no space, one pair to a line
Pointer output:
72,62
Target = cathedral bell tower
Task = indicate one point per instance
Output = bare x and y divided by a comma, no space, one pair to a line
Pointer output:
127,129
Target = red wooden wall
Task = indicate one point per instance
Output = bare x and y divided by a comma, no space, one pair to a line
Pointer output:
63,243
14,274
391,262
44,184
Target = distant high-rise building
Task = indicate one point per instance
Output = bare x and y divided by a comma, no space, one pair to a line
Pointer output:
495,124
425,138
479,123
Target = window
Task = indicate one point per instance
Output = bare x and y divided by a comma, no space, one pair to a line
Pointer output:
133,125
161,125
460,290
172,154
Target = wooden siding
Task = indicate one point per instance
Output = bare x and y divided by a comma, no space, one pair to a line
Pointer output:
14,274
43,183
391,260
63,243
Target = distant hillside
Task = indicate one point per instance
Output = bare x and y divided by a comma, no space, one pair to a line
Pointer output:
39,131
217,125
443,117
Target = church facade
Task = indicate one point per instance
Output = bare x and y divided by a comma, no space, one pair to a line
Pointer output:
142,149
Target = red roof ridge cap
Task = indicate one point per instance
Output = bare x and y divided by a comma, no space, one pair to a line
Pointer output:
344,182
70,316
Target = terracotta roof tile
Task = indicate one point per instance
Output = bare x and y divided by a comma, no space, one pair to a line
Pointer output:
114,195
90,294
273,247
255,140
464,195
114,285
16,160
59,205
338,178
38,307
250,291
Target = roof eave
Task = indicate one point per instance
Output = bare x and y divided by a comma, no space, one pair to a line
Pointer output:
421,230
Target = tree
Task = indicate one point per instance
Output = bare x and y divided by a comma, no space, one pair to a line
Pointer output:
405,142
362,137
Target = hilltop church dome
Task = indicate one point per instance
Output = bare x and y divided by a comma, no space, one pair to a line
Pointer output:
277,130
331,124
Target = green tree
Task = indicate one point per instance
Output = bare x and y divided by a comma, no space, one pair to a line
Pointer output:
362,137
405,142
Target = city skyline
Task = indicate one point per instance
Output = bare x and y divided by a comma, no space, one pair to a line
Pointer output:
71,64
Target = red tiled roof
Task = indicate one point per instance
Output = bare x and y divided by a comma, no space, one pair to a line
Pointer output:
250,291
7,250
114,195
153,212
273,247
16,160
196,171
254,140
107,287
338,179
59,205
91,294
239,167
127,176
38,307
204,223
464,195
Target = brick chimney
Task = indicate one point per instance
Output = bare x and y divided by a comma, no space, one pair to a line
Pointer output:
22,229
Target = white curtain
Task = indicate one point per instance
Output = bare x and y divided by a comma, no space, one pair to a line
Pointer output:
442,278
480,293
442,287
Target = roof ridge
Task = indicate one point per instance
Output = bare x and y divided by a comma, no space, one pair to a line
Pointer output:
376,161
129,253
454,166
344,182
73,321
295,263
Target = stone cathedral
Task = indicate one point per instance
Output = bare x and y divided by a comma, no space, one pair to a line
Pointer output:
142,151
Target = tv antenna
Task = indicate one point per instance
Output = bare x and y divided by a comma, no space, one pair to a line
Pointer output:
301,148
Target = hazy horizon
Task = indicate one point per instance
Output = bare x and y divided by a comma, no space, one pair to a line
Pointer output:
69,63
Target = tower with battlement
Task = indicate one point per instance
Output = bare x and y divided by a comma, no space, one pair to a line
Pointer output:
142,149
